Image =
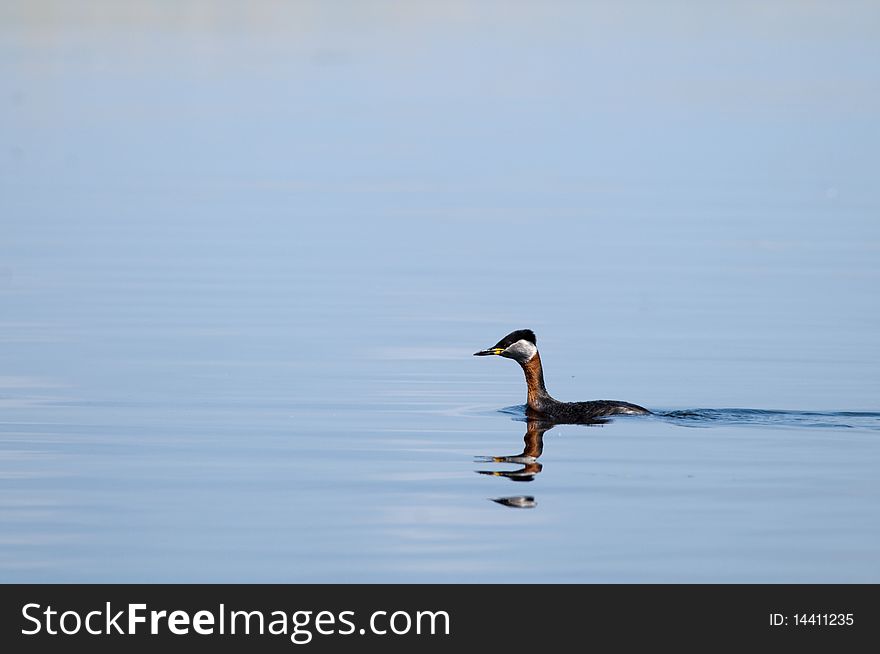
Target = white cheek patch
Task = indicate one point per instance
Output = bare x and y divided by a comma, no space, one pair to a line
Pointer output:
522,350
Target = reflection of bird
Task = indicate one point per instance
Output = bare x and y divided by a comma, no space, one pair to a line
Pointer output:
533,446
517,502
520,346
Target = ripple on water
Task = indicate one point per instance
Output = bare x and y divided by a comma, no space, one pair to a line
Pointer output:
774,418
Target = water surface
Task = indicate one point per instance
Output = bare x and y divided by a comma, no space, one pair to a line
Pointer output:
248,250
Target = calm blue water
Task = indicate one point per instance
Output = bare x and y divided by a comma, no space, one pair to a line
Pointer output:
247,251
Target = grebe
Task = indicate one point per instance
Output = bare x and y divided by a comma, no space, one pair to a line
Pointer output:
521,347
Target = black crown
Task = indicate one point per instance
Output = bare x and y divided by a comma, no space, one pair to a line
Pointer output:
518,335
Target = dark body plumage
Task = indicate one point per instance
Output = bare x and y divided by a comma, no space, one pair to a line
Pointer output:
521,346
585,412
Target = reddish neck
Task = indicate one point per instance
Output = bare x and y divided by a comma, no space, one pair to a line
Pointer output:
538,394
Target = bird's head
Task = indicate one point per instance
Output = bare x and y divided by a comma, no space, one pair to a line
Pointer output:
519,345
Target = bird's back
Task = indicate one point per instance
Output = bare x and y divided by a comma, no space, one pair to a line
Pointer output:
582,411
